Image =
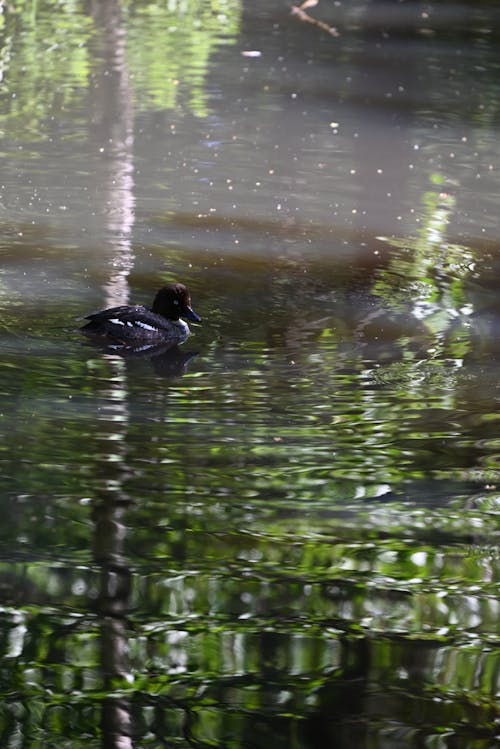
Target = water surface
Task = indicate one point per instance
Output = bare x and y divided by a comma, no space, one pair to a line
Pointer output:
285,532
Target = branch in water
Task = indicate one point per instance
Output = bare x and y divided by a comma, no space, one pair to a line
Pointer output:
303,16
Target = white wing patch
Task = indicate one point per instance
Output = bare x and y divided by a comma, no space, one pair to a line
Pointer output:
133,324
145,325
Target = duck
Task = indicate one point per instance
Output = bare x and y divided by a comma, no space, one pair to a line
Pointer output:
130,325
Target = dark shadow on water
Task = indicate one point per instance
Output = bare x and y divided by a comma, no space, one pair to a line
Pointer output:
167,360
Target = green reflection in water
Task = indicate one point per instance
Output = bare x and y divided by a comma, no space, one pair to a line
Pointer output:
160,51
256,542
170,48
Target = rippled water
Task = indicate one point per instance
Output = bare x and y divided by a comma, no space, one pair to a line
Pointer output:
284,532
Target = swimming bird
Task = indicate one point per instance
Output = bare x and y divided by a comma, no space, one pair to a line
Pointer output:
130,325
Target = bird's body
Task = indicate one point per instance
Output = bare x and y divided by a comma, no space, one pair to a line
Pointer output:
133,324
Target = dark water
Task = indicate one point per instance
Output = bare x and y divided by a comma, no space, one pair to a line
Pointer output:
285,532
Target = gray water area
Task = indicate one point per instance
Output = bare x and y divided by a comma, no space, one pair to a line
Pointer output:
285,531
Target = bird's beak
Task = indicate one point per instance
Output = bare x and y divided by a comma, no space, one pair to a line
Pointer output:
190,314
